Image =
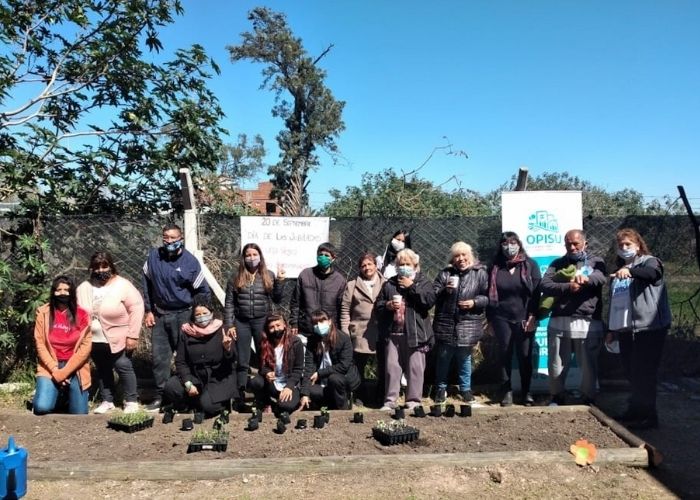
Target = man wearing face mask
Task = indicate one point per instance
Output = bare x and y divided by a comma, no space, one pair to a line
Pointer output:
172,277
575,323
318,287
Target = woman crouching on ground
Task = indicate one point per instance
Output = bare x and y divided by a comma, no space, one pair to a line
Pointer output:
205,379
330,372
279,377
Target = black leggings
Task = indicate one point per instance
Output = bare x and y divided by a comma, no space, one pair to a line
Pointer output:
175,394
266,391
511,336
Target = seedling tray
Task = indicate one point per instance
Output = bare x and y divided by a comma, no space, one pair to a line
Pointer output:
131,427
392,437
220,445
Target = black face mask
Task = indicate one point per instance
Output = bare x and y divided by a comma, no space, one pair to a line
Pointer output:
61,299
276,334
102,276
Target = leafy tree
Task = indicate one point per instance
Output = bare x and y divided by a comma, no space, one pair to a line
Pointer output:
86,122
596,200
311,115
89,124
390,193
218,190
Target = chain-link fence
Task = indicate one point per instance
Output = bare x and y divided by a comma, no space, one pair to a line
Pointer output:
72,240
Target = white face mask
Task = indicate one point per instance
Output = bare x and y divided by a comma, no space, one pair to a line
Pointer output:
397,245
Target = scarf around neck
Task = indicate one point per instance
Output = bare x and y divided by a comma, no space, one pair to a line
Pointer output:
202,331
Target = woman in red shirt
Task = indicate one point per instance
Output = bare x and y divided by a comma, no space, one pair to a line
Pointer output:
63,341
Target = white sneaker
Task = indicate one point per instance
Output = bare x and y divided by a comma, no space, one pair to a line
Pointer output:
131,407
105,407
386,408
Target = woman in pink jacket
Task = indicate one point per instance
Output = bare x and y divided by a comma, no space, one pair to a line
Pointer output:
116,311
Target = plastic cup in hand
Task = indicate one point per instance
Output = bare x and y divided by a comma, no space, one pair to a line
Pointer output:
453,282
396,299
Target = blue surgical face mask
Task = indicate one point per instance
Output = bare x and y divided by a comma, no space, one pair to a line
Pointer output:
173,246
627,254
322,329
406,271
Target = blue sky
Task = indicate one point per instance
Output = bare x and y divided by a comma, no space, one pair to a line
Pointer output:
608,91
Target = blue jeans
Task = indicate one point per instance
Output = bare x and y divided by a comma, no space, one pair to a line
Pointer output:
47,392
463,357
164,339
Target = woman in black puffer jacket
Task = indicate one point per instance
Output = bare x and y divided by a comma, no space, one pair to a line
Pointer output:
249,296
461,290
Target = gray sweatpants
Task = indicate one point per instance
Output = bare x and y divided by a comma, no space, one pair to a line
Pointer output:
559,361
402,359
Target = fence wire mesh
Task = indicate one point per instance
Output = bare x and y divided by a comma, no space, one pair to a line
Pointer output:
72,240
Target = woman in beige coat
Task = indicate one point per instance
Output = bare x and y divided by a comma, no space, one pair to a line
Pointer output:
357,318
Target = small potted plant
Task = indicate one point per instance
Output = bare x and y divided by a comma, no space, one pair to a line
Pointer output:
281,427
358,417
436,410
253,424
319,421
284,417
213,440
326,414
399,413
221,420
258,414
168,414
419,412
130,422
449,410
394,432
301,424
465,410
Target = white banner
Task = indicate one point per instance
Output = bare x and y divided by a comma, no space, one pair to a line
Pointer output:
290,242
541,219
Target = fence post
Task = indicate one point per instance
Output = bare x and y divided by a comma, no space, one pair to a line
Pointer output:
192,232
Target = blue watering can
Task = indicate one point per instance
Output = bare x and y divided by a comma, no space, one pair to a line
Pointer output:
13,471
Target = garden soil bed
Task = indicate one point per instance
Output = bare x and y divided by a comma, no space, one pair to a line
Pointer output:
87,438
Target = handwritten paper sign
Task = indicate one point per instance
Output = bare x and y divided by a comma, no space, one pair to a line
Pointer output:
290,242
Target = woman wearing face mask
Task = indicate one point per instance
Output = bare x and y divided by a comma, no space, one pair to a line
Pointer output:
460,291
116,308
513,300
205,380
405,328
358,318
63,340
279,377
249,297
400,240
330,374
640,317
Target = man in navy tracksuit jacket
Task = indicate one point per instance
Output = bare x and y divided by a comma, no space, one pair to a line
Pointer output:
171,278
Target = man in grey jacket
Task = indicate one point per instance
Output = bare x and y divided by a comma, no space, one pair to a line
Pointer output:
575,324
